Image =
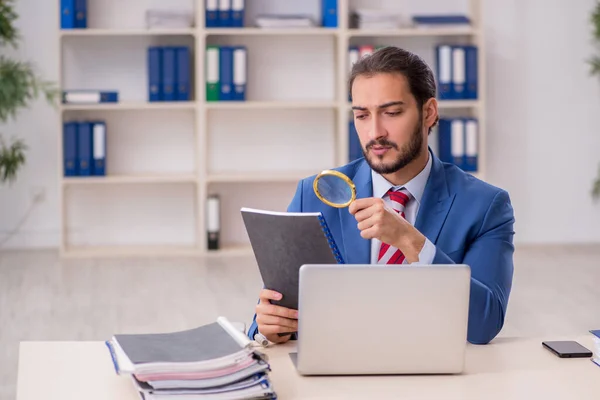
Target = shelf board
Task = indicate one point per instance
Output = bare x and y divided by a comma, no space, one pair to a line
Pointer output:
280,177
450,31
251,31
128,106
131,251
124,179
126,32
236,105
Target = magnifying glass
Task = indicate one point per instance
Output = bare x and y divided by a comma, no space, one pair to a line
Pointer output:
334,189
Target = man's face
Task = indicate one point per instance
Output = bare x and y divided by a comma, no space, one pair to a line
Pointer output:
387,119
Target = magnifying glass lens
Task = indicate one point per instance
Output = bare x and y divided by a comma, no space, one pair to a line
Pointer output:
334,189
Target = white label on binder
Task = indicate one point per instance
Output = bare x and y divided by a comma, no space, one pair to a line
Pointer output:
224,5
212,5
445,56
457,137
238,5
212,65
83,97
213,212
353,57
99,133
471,146
459,73
239,66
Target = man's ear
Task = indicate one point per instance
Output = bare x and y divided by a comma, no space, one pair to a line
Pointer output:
430,113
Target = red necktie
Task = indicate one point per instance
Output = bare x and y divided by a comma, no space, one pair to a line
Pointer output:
397,200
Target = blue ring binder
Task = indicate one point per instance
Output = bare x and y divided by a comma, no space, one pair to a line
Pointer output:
332,244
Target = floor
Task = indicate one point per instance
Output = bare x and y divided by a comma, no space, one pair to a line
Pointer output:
556,292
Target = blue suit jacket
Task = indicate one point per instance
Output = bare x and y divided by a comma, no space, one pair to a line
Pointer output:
469,221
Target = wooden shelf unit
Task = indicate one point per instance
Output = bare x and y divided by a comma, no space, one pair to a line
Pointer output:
201,176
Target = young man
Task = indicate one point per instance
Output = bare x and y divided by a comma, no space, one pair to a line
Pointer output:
410,207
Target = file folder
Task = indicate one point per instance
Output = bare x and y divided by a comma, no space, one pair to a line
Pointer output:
365,50
225,13
226,73
237,13
85,148
67,14
183,92
458,142
472,76
99,148
353,57
213,221
70,147
471,145
81,14
213,86
89,97
354,147
240,57
444,71
330,14
445,140
169,73
212,13
155,74
458,72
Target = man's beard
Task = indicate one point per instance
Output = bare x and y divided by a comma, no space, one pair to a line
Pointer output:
409,152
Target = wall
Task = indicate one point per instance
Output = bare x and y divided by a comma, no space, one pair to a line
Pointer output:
542,106
544,144
38,126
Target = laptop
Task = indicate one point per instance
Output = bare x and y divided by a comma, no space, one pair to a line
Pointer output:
370,319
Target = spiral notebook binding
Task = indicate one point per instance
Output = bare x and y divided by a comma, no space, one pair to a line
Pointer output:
330,240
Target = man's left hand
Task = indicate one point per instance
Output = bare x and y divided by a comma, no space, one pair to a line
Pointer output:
376,220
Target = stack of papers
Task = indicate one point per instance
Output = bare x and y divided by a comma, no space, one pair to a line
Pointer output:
596,349
214,361
377,19
283,21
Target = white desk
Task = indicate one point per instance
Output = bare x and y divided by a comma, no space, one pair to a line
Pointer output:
507,369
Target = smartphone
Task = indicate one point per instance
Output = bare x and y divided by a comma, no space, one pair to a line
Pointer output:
567,349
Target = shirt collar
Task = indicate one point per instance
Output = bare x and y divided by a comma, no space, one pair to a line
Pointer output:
415,186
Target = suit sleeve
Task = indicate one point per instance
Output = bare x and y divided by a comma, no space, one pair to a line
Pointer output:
295,206
490,257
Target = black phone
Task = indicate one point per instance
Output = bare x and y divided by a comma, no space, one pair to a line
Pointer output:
567,349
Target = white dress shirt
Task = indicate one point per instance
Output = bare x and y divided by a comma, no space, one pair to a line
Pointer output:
416,187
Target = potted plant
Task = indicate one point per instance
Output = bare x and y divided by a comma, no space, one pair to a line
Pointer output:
19,86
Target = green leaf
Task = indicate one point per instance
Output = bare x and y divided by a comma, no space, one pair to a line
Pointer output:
8,33
594,63
19,86
12,158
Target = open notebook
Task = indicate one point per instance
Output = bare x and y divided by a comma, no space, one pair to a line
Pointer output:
284,241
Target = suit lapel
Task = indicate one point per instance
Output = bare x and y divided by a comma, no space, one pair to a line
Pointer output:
435,204
357,249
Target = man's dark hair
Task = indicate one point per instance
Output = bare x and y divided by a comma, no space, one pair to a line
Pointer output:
391,59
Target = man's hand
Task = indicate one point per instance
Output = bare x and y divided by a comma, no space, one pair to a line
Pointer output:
272,319
378,221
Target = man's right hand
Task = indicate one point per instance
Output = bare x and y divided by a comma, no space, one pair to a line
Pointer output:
272,319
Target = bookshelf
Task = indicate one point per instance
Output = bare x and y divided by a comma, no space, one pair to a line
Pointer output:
165,158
